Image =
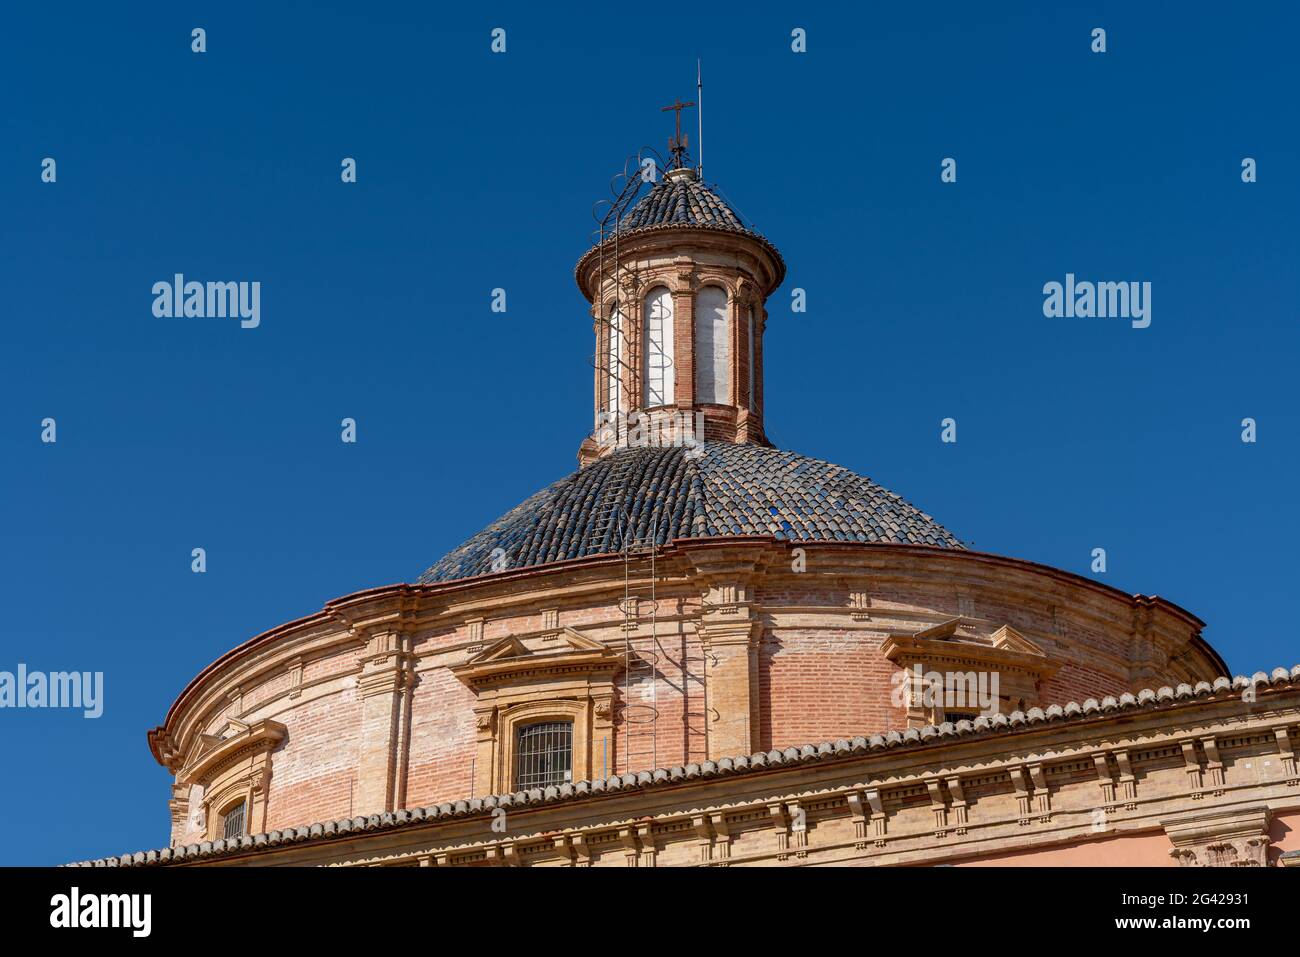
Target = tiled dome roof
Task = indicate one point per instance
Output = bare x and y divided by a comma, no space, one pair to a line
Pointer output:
726,489
682,201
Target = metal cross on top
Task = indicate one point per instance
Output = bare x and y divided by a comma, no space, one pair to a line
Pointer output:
677,144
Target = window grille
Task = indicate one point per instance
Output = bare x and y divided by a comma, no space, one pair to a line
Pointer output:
233,826
544,755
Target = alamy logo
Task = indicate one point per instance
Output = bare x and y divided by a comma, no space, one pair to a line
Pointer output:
55,689
678,429
134,911
212,300
1104,300
918,688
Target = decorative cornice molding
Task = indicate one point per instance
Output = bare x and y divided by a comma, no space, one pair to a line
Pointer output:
1235,837
1166,699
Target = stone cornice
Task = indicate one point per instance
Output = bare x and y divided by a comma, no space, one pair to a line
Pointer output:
768,264
1025,743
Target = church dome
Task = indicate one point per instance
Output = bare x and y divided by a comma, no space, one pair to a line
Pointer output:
684,201
681,201
721,489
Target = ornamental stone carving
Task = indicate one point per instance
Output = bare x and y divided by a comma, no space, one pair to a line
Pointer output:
1234,837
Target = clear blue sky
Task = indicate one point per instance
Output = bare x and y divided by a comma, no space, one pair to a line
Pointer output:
478,171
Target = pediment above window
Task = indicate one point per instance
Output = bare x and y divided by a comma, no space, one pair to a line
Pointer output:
210,752
203,744
514,661
963,647
1008,639
958,642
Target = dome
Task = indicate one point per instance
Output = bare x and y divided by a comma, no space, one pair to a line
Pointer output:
666,493
682,201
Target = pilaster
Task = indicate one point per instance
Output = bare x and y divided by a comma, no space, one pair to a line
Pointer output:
383,689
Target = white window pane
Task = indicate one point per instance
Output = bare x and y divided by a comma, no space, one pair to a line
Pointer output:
614,397
712,347
659,373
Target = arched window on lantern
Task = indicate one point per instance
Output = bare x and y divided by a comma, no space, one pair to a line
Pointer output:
612,364
658,370
712,347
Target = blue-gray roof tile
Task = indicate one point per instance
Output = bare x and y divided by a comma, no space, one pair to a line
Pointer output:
665,494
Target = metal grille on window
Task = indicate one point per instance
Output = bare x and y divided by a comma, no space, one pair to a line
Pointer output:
544,755
234,823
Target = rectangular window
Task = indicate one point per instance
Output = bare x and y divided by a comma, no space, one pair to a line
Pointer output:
233,825
544,755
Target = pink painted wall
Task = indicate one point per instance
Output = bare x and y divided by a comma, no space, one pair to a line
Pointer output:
1150,849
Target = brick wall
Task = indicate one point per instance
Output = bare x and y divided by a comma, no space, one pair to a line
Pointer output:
816,686
817,668
442,740
313,776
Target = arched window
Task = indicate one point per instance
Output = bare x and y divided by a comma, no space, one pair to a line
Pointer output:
613,367
232,822
712,347
544,754
659,347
